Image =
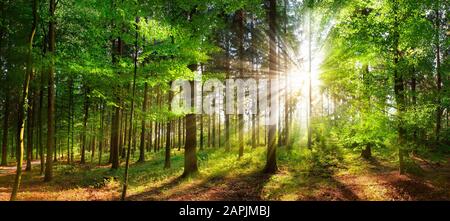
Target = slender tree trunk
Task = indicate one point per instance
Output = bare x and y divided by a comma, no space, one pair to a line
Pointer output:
94,136
201,132
168,129
114,150
438,73
240,23
51,95
35,131
286,82
155,144
127,162
190,152
125,135
30,125
414,99
150,137
5,129
22,105
40,122
102,134
85,119
213,132
179,133
209,130
218,129
144,111
310,79
69,116
399,90
116,116
271,163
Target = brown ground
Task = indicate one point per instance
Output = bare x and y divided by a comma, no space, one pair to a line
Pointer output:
378,182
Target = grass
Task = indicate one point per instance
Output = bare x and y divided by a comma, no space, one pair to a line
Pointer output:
328,174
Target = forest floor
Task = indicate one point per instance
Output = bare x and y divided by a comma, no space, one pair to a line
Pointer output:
301,176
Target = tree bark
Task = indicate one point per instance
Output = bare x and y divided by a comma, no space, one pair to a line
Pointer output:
40,122
310,79
127,161
190,152
399,89
22,105
271,162
438,73
5,129
240,22
51,95
30,126
168,130
85,119
286,81
144,111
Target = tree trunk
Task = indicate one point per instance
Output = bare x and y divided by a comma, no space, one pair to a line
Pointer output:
102,134
40,122
209,131
366,153
85,119
271,163
127,162
51,95
179,133
22,105
190,152
399,90
114,150
168,129
30,126
310,79
286,82
144,111
213,130
69,117
240,23
438,73
5,129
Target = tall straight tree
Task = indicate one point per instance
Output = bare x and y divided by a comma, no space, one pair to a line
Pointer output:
310,6
22,105
39,117
168,130
399,87
286,77
438,70
51,94
143,123
85,120
240,16
127,162
271,161
190,152
30,127
5,127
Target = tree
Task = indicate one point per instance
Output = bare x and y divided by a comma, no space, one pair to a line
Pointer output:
190,152
51,94
240,18
23,102
143,123
271,163
5,128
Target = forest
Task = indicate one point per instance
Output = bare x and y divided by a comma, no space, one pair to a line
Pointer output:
243,100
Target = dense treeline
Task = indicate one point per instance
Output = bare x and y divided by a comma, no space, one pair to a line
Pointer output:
89,82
